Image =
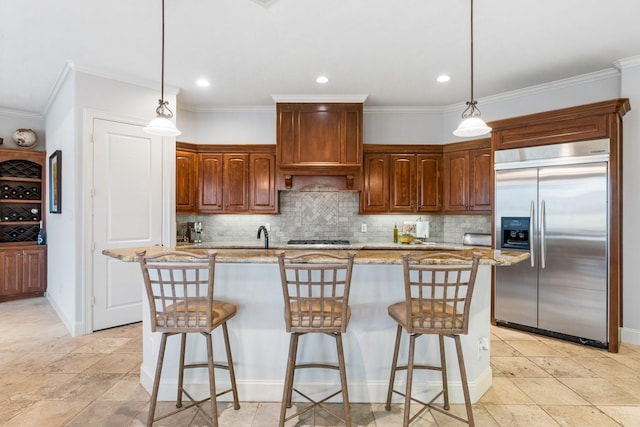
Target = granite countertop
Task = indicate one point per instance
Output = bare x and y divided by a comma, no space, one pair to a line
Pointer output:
365,254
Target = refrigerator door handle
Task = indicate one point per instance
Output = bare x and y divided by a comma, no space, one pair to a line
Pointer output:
543,255
531,253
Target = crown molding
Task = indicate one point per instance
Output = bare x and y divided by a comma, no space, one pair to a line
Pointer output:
21,114
632,61
319,98
230,109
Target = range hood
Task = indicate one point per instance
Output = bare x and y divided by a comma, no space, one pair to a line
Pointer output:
319,141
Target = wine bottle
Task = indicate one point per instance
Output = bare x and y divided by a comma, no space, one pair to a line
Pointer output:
42,236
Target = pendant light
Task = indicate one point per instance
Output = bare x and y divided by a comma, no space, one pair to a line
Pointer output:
472,124
162,124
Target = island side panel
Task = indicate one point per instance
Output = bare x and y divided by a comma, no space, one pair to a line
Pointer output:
260,343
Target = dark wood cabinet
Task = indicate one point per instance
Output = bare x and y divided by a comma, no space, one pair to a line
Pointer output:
23,263
23,271
467,177
429,183
186,181
235,182
262,183
401,179
375,192
322,139
402,191
231,179
210,177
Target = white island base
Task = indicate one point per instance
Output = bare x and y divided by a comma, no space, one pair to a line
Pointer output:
260,343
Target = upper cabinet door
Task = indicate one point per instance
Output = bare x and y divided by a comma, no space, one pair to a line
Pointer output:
322,136
375,194
480,168
210,182
262,184
456,181
403,183
236,182
429,171
186,181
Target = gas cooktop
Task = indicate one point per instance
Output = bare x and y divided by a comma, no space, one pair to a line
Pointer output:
318,242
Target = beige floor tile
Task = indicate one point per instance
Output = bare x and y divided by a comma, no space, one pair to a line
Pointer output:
501,348
102,345
512,334
40,386
504,392
518,367
534,348
520,416
11,408
107,414
548,391
85,386
599,391
565,367
35,362
607,367
268,414
127,388
579,416
394,417
627,416
115,363
480,416
242,417
47,413
630,385
73,363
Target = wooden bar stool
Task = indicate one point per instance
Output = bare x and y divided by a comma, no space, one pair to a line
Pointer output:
179,287
316,300
437,301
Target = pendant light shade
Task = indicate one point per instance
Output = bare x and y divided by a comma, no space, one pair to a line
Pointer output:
162,124
472,124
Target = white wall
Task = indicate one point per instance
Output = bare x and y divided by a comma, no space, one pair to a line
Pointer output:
631,204
61,228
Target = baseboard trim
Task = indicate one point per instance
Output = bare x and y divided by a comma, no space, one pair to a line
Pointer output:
630,336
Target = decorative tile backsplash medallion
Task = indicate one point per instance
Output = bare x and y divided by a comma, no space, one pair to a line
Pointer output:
319,208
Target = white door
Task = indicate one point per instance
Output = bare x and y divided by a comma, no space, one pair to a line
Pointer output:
127,212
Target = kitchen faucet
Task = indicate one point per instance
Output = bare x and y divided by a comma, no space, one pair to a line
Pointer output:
266,235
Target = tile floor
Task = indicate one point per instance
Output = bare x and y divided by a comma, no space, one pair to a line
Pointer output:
50,379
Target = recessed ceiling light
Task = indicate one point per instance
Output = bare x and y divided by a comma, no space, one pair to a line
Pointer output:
203,83
322,80
443,78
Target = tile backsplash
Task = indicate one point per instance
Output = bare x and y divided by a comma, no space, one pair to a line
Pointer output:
321,212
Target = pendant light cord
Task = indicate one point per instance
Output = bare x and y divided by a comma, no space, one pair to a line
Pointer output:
471,50
162,56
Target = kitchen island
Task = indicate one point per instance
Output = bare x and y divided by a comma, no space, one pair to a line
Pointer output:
250,278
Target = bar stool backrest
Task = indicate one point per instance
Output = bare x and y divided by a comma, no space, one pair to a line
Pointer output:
179,287
438,296
316,291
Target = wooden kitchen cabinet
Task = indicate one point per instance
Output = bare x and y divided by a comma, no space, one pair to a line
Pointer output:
429,183
186,181
233,179
23,271
210,177
467,177
235,194
401,179
319,139
262,182
23,263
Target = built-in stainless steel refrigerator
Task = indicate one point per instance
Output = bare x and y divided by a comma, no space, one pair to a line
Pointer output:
553,202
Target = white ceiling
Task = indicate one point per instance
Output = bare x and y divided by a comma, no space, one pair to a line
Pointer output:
392,50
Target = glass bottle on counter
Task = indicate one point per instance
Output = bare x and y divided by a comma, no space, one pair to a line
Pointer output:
395,233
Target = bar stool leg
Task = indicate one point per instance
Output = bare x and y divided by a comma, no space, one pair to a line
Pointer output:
407,397
212,380
232,373
183,344
288,379
465,383
443,367
394,368
156,380
343,379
